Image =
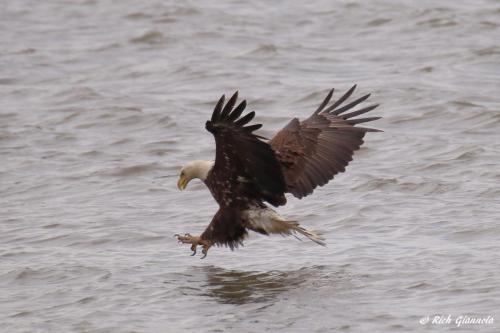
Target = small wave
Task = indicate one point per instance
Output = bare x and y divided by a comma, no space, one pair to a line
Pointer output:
165,120
28,50
132,170
162,143
427,69
21,314
174,14
130,120
491,192
430,186
315,96
50,239
66,137
378,22
160,148
89,242
68,118
465,153
86,300
130,108
26,274
8,81
468,156
263,50
421,285
137,16
8,115
464,104
92,153
488,51
434,166
5,136
120,142
490,24
51,226
438,23
108,46
88,125
473,234
77,94
150,37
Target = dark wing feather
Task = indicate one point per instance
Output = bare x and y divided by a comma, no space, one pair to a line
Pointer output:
313,151
238,111
218,108
242,155
245,119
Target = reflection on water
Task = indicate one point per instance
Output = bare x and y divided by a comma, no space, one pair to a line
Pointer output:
240,287
243,287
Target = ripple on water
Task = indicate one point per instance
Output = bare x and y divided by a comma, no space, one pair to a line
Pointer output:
129,171
150,37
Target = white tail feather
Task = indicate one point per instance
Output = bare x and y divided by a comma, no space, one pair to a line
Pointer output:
272,223
295,227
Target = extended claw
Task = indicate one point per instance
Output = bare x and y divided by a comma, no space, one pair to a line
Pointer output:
204,254
205,250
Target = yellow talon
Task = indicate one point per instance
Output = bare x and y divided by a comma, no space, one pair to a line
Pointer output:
194,241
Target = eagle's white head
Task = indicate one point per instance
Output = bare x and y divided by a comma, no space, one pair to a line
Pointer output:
194,169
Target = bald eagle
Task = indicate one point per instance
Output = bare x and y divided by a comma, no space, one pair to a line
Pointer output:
250,170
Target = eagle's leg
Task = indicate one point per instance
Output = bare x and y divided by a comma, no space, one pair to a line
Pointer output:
195,241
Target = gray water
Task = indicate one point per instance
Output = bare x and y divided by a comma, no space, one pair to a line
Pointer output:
102,102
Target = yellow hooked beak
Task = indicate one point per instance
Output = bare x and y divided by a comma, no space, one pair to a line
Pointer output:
182,182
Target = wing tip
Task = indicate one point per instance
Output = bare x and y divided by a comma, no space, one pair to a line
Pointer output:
325,101
229,114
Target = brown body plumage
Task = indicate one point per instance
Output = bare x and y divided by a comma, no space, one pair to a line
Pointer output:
249,171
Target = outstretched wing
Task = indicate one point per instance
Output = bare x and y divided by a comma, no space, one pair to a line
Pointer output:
313,151
245,166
